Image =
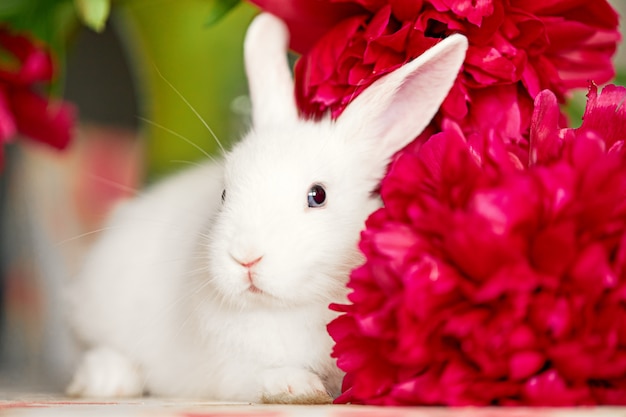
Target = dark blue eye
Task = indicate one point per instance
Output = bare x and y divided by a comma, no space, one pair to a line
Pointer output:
317,196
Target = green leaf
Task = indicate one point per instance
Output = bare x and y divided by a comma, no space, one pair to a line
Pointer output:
218,9
93,13
10,8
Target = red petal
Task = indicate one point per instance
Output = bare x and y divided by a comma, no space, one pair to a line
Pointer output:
7,121
525,364
549,389
35,64
44,121
309,20
606,113
545,142
406,10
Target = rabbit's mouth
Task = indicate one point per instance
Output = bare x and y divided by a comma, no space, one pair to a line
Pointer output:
251,277
255,290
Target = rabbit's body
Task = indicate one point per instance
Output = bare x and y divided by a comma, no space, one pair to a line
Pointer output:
216,283
158,309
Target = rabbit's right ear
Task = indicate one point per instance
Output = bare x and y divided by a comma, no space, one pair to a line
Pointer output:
267,68
392,111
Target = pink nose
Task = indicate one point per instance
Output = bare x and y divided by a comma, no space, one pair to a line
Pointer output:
249,264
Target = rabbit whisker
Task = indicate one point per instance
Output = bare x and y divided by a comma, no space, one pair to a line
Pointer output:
186,296
86,234
115,184
181,161
178,93
141,219
178,135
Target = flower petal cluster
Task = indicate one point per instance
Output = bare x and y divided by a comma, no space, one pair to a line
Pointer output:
517,48
493,282
22,108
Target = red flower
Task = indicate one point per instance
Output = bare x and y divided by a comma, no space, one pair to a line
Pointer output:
521,46
22,109
488,282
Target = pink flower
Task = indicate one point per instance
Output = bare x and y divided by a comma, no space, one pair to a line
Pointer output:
517,48
22,109
493,282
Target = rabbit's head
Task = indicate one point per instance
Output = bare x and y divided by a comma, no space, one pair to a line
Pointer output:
297,192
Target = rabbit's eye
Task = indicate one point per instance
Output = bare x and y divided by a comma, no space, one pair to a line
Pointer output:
223,196
317,196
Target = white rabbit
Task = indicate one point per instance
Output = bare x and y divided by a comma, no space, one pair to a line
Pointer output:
216,283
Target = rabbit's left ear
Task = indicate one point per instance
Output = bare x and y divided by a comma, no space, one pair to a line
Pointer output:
269,77
397,107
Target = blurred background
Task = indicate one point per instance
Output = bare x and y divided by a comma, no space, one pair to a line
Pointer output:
128,83
149,57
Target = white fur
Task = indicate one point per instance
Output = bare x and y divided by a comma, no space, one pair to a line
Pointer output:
163,289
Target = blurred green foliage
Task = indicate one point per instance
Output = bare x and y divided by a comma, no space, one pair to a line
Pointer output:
174,51
94,13
219,8
52,21
187,47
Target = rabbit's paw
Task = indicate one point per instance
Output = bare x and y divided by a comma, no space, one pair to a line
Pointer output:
293,386
105,373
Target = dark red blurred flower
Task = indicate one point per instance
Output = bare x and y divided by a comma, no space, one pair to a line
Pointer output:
491,282
22,108
517,48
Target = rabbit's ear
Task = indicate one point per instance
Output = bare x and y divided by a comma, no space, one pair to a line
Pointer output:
397,107
269,77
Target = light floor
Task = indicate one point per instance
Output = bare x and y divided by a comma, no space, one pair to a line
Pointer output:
30,405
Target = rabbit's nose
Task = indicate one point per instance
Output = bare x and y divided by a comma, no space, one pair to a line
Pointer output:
245,251
247,262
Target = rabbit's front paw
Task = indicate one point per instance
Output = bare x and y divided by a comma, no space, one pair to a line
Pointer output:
105,373
293,386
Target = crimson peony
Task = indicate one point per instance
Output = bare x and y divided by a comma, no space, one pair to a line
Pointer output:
22,109
496,272
517,48
489,281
